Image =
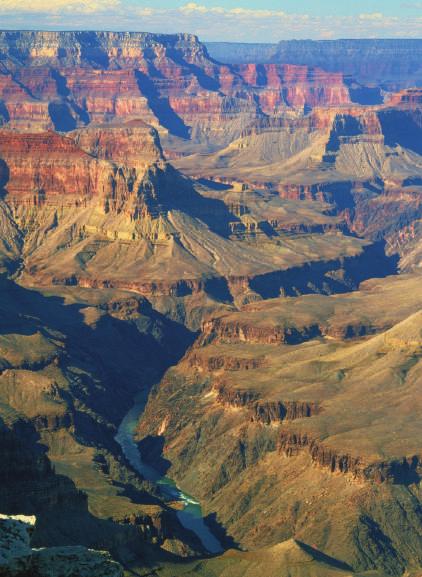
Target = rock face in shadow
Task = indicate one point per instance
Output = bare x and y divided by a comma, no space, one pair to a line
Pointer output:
60,409
28,479
18,559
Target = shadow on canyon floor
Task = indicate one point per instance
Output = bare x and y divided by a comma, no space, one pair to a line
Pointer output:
323,277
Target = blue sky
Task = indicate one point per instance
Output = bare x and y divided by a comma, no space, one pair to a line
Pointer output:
315,7
236,20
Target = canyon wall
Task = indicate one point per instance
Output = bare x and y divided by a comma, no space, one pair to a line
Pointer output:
267,424
70,79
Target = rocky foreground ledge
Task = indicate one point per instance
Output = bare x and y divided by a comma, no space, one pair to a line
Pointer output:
18,559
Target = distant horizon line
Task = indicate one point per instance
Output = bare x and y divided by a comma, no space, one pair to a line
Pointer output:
306,39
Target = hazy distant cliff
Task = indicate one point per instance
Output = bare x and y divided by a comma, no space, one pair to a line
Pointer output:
394,62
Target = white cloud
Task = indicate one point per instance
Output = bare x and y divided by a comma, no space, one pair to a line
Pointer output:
256,13
55,6
146,12
193,7
372,16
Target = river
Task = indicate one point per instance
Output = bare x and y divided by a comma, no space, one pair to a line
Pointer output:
190,516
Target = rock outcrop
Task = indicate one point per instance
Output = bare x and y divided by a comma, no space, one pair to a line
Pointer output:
227,330
265,411
15,550
18,559
397,471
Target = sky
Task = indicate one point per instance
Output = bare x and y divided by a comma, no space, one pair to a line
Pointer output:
224,20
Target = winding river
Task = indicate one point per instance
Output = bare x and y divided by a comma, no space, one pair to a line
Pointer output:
191,515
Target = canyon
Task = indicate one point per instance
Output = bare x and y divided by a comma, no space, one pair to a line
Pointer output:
237,243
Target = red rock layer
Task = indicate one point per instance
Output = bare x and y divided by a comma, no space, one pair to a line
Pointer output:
134,144
103,77
19,109
228,331
44,166
217,363
107,95
296,86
